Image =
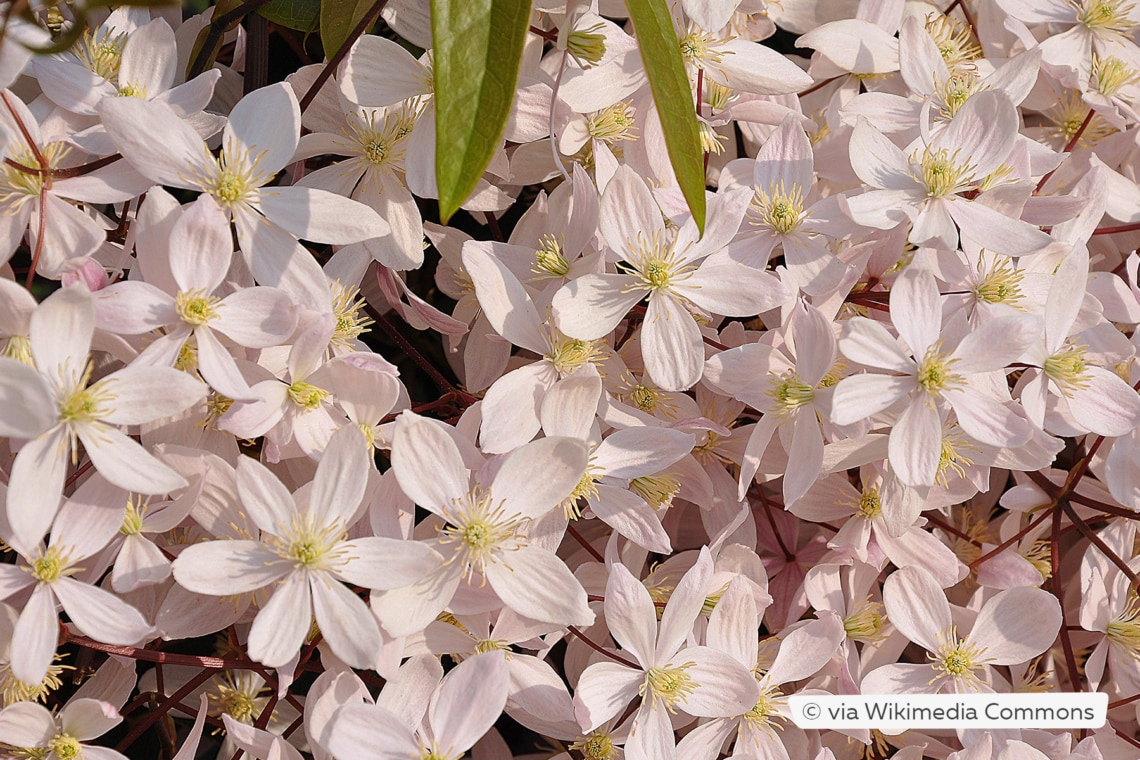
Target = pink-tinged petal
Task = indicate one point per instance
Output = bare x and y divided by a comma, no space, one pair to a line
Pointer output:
733,290
537,584
629,515
604,689
1016,625
725,687
635,452
989,420
995,343
504,300
122,461
933,225
569,408
749,67
709,15
276,259
916,443
253,419
1008,569
469,701
263,497
100,614
146,394
860,396
591,306
805,650
345,622
510,407
869,343
140,563
562,462
427,462
226,568
733,625
1061,308
90,519
920,64
26,724
201,246
282,624
267,121
321,216
651,737
218,368
815,344
628,217
880,209
368,732
72,86
878,161
630,615
786,157
190,743
409,609
918,548
87,718
758,441
916,309
984,128
159,144
1035,12
257,317
379,72
807,454
1120,471
735,372
60,331
1107,405
341,477
133,308
917,606
671,344
35,487
999,232
256,742
900,679
685,603
35,635
26,405
387,563
150,59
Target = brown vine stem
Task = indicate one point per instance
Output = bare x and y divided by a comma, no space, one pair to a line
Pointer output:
405,345
152,717
789,556
1099,543
1068,147
601,650
1055,577
1133,227
361,27
217,29
170,658
584,543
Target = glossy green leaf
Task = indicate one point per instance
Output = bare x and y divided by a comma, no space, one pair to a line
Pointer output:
302,15
476,47
338,19
661,54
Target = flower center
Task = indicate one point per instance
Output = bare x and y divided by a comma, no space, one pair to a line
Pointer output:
866,622
790,393
235,177
1112,75
570,354
941,173
14,690
1001,284
1068,369
597,746
80,403
1124,631
19,347
306,396
308,545
586,489
957,659
764,714
65,747
655,263
1105,18
480,531
548,259
195,307
586,45
1068,117
101,53
671,685
657,490
954,40
700,48
955,91
869,505
239,697
18,185
934,373
350,322
613,124
133,518
951,458
383,145
780,209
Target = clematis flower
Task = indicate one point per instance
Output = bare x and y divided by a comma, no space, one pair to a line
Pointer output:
305,551
259,140
33,729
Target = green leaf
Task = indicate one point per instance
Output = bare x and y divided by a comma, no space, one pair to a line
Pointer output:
338,19
302,15
477,47
661,54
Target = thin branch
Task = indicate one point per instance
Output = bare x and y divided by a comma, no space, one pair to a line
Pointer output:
367,20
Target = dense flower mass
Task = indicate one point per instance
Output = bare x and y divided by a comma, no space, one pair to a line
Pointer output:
574,474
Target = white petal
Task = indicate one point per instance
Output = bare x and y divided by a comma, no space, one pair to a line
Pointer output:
87,718
470,700
201,246
282,624
100,614
733,290
387,563
868,342
536,584
368,732
263,497
345,622
341,477
635,452
36,485
916,443
629,515
225,568
34,637
505,301
26,724
860,396
256,317
125,463
146,394
561,462
136,125
592,305
321,216
1017,625
265,123
26,406
725,687
916,309
628,213
379,72
60,331
671,344
917,606
427,462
